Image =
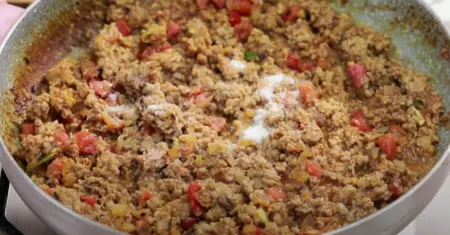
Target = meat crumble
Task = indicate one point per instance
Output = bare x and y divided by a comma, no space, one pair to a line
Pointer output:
229,117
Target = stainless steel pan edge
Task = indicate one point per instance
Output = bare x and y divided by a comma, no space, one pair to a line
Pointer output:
388,221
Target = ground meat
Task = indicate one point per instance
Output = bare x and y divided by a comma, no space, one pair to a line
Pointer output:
180,120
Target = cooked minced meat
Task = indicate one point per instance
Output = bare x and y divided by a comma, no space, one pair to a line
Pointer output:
230,117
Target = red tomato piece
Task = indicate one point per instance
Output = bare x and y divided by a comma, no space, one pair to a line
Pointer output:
145,196
164,46
193,189
388,144
234,18
396,187
243,30
307,93
307,66
219,4
89,199
101,88
292,61
189,223
173,29
86,142
313,169
61,137
217,123
357,119
276,193
291,14
55,168
202,4
242,7
50,191
123,27
357,73
28,129
203,99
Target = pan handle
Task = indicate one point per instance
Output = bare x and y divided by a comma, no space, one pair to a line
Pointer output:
20,2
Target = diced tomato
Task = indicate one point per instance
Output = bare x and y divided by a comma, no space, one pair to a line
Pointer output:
357,119
313,169
388,144
234,18
307,93
28,129
202,4
89,199
145,196
147,131
276,193
217,123
307,66
146,51
242,7
203,99
243,30
50,191
61,137
193,189
164,46
219,4
55,168
86,142
396,187
357,73
291,14
123,27
292,61
189,223
101,88
173,29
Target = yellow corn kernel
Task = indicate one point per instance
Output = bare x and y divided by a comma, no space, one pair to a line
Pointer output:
238,126
426,143
301,14
299,176
281,9
199,160
262,215
119,209
174,153
306,154
240,177
249,229
245,143
249,113
215,148
264,200
188,139
127,227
